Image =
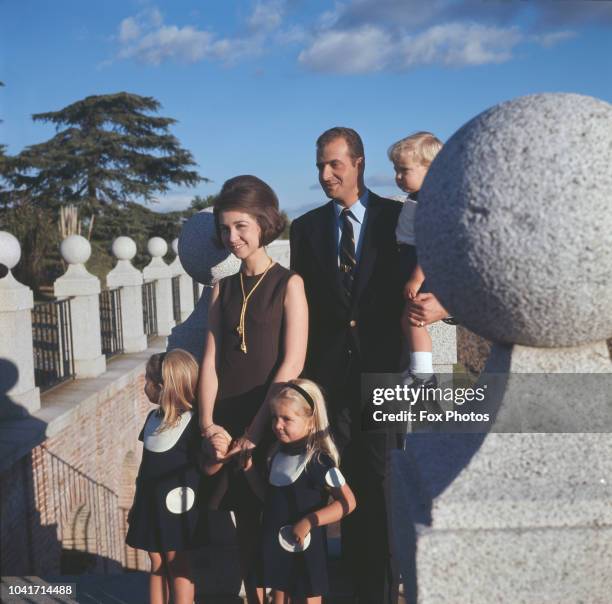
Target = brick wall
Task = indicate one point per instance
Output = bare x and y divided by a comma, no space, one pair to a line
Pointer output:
64,504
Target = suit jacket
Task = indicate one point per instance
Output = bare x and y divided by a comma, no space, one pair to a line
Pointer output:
360,334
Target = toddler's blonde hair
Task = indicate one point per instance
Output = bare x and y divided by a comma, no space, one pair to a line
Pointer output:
319,439
423,146
176,373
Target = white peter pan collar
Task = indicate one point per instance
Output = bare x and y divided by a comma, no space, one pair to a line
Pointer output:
286,469
159,442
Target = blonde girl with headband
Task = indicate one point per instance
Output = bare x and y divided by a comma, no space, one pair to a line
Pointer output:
164,519
305,491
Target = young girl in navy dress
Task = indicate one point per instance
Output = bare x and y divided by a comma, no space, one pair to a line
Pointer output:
303,474
164,518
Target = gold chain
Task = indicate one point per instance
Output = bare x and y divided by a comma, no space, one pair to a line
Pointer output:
241,329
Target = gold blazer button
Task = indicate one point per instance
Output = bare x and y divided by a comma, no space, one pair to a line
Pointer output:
352,323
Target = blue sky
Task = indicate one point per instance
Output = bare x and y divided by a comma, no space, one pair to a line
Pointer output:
252,83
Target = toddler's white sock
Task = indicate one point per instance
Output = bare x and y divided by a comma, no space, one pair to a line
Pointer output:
421,364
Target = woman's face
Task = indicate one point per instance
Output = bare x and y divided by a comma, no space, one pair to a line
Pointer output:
240,233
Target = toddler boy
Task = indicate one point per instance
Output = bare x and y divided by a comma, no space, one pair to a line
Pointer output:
411,157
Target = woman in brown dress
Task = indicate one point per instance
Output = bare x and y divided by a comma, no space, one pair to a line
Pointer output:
257,334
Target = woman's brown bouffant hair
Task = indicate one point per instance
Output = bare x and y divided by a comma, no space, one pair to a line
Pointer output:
253,196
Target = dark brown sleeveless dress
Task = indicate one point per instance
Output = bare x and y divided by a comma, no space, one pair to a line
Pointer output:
244,378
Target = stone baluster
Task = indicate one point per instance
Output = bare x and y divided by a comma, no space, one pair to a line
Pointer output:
16,302
157,270
126,276
514,233
278,250
84,289
185,284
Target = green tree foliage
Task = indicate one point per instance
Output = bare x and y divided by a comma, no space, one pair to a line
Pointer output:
3,170
286,230
39,238
199,203
138,222
108,150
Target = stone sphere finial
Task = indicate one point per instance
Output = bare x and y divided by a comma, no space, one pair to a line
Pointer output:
75,249
203,260
157,247
175,245
514,228
10,250
124,248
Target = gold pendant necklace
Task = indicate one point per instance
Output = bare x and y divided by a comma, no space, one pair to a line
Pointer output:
241,329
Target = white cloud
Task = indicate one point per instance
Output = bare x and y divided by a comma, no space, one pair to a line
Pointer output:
128,29
144,37
293,35
329,18
170,42
352,51
459,44
154,17
172,202
230,50
359,36
370,49
267,16
553,38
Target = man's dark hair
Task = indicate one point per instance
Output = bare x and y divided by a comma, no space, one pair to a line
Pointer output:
253,196
353,141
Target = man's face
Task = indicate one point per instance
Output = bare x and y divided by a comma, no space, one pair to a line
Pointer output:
339,174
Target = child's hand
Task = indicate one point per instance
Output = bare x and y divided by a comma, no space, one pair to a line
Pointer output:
411,289
301,529
243,448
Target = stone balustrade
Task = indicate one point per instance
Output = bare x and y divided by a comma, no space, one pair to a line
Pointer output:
130,280
83,289
16,302
185,287
157,270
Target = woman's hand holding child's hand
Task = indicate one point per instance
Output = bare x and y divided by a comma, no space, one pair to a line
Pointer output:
216,440
301,529
212,429
220,444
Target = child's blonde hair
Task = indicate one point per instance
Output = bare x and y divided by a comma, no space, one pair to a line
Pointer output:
176,374
423,146
319,439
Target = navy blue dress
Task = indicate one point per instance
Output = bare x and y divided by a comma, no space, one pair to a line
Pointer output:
164,516
296,488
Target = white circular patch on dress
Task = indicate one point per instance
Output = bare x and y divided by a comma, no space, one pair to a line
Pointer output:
334,478
285,538
180,500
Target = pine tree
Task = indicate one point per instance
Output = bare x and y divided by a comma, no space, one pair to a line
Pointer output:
108,150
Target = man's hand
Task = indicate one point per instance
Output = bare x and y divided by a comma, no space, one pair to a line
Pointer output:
425,309
301,529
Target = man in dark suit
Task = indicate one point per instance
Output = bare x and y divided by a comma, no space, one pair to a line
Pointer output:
347,254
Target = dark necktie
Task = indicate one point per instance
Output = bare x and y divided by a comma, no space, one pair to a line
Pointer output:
347,251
